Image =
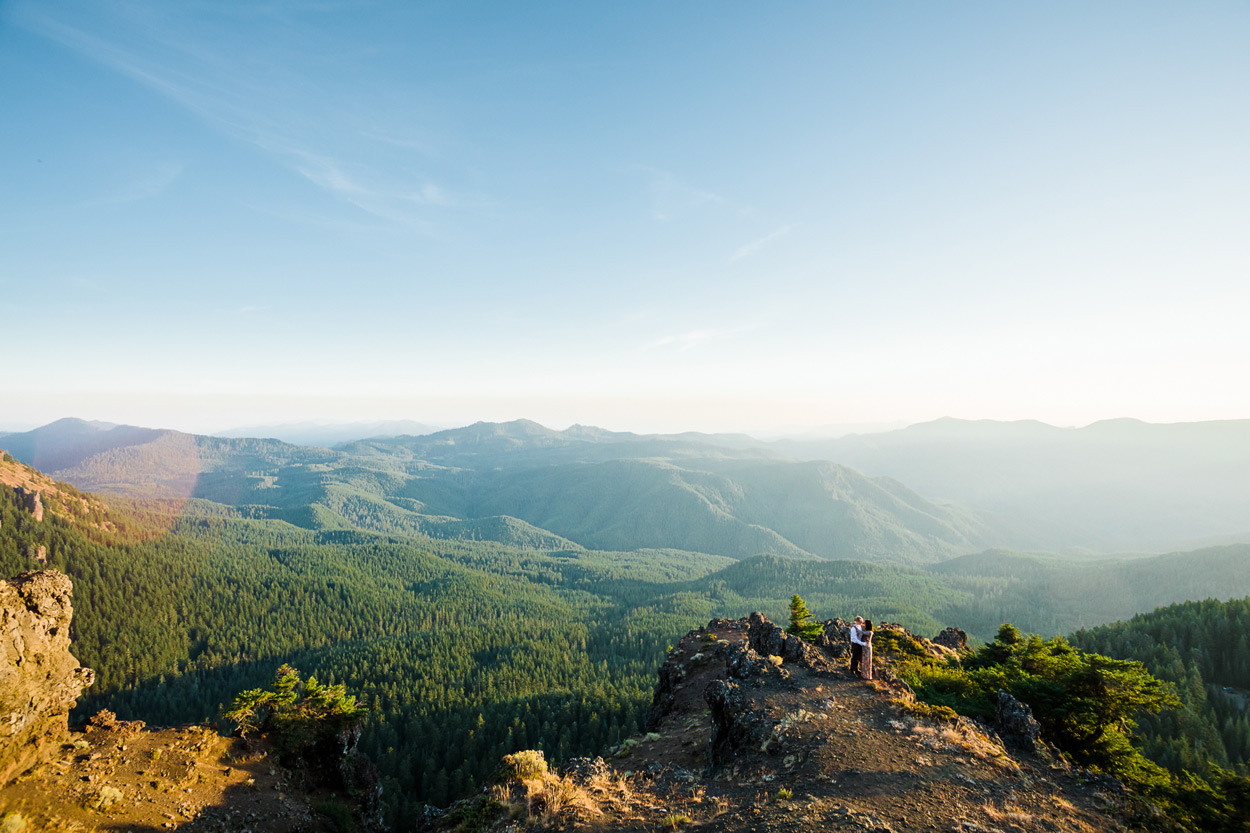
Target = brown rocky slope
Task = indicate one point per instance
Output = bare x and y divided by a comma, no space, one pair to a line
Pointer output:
756,730
114,775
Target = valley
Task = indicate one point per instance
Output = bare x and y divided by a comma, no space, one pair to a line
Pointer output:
505,586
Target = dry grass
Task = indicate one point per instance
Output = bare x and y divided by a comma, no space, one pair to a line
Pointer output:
553,800
1009,812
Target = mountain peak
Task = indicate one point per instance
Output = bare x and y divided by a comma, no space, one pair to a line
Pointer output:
754,729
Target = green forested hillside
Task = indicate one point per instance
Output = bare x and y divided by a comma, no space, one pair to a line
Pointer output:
462,651
1203,648
466,649
521,484
1050,594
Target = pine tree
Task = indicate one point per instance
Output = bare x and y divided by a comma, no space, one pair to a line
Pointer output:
800,619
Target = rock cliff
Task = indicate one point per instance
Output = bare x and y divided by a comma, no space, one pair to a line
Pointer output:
39,679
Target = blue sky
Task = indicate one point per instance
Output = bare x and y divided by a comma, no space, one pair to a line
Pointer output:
646,216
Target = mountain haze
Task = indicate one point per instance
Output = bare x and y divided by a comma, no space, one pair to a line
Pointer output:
329,434
523,484
1113,485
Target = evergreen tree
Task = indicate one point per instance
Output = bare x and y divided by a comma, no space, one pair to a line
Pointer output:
800,619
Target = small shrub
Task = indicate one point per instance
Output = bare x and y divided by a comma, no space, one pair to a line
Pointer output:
525,765
785,793
890,641
930,712
12,822
476,815
105,798
675,821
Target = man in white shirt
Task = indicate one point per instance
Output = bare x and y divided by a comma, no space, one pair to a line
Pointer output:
857,644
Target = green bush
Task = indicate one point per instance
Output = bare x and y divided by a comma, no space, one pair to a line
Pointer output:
474,815
524,765
1085,704
297,715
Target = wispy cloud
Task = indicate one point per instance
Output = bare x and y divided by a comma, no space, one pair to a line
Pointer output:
269,105
152,185
755,246
358,185
670,196
698,338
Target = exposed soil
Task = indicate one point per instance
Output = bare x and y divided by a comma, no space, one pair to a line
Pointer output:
126,777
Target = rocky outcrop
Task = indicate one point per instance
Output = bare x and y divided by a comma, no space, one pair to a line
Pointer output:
952,638
835,638
31,501
771,640
1015,720
39,679
741,662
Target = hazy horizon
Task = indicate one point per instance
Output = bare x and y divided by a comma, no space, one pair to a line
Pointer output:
829,431
648,217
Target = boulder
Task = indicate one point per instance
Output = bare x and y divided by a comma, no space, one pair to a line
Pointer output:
952,638
742,663
835,638
40,680
671,675
1015,719
771,640
730,730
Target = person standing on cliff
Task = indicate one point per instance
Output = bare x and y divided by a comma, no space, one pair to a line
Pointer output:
857,645
865,634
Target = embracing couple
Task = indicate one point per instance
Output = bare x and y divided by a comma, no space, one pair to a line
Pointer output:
861,648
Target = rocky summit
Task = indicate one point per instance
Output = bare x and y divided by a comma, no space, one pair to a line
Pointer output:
754,729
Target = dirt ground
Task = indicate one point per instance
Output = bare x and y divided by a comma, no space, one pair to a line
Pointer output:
128,778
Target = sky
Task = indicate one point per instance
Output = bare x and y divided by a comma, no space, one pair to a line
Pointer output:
645,216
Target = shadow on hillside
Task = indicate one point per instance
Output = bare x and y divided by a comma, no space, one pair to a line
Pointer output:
195,696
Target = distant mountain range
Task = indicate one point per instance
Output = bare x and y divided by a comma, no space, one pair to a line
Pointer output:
329,435
1117,485
522,484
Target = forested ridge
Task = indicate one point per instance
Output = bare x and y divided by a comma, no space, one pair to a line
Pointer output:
461,651
464,650
1203,649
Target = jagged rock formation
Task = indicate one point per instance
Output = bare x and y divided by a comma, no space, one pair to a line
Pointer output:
772,640
39,679
835,638
1015,720
952,638
32,502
